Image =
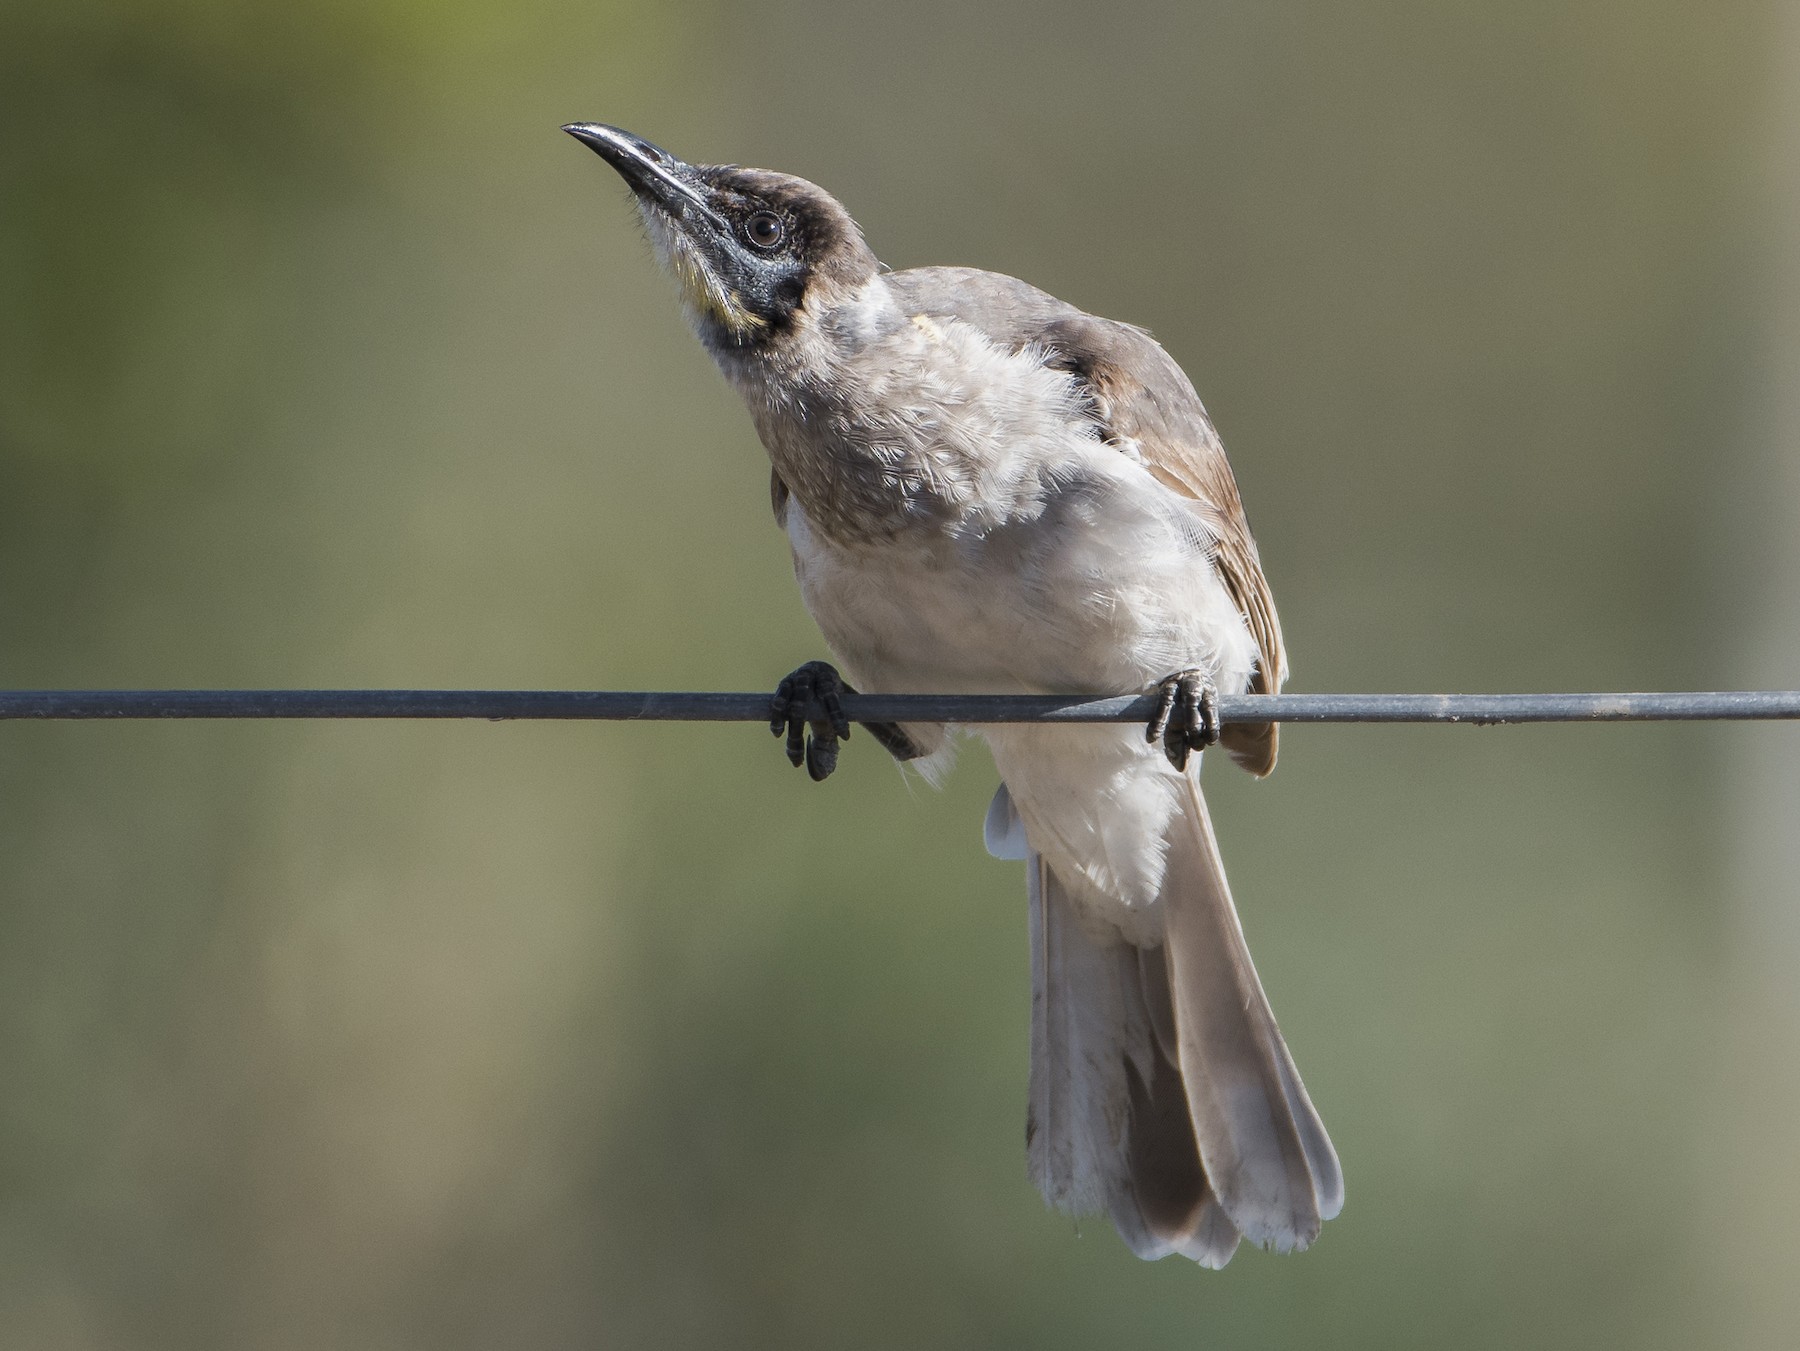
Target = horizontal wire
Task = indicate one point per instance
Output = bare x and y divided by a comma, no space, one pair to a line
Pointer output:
685,706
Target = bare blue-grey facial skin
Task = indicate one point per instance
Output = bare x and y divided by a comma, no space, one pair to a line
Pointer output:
744,245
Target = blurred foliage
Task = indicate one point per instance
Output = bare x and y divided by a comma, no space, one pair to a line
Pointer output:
327,361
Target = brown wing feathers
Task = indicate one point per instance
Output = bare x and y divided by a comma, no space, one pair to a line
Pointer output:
1142,399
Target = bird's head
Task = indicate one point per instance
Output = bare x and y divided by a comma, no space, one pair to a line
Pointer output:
749,249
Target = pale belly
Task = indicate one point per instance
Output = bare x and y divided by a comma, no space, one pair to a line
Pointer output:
1105,587
1106,592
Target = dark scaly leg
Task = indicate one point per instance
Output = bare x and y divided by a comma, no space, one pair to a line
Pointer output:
817,687
1186,717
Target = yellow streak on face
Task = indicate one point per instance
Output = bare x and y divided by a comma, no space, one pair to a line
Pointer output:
701,291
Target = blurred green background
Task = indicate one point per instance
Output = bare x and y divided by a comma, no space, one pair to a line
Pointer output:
326,360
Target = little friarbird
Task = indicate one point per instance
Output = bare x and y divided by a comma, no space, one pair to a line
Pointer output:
987,490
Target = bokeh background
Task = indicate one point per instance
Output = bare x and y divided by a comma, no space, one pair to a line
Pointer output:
326,360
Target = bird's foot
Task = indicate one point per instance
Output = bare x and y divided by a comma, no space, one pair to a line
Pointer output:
817,687
812,689
1186,717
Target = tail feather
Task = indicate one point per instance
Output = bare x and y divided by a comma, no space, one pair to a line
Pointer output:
1165,1195
1261,1141
1086,1025
1161,1090
1162,1149
1108,1128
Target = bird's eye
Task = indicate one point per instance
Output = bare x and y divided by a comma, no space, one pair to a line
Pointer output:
764,229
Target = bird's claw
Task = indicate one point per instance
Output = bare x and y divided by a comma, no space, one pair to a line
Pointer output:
1186,717
814,689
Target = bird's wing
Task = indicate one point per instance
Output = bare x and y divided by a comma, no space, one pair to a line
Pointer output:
778,497
1143,403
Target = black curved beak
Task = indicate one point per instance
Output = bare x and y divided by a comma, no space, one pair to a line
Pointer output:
650,170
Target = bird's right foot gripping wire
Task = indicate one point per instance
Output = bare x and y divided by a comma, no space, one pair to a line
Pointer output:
813,689
817,688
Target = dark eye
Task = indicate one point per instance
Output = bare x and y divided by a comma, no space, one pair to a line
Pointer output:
764,229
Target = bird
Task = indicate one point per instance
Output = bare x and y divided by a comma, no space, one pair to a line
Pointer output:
986,490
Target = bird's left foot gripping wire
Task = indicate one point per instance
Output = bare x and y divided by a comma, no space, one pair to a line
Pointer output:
1186,717
815,689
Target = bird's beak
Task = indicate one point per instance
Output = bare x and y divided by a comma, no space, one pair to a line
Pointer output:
651,171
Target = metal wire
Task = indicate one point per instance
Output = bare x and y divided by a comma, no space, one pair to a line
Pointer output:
658,706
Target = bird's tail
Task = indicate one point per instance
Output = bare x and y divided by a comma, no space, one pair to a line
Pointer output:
1161,1090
